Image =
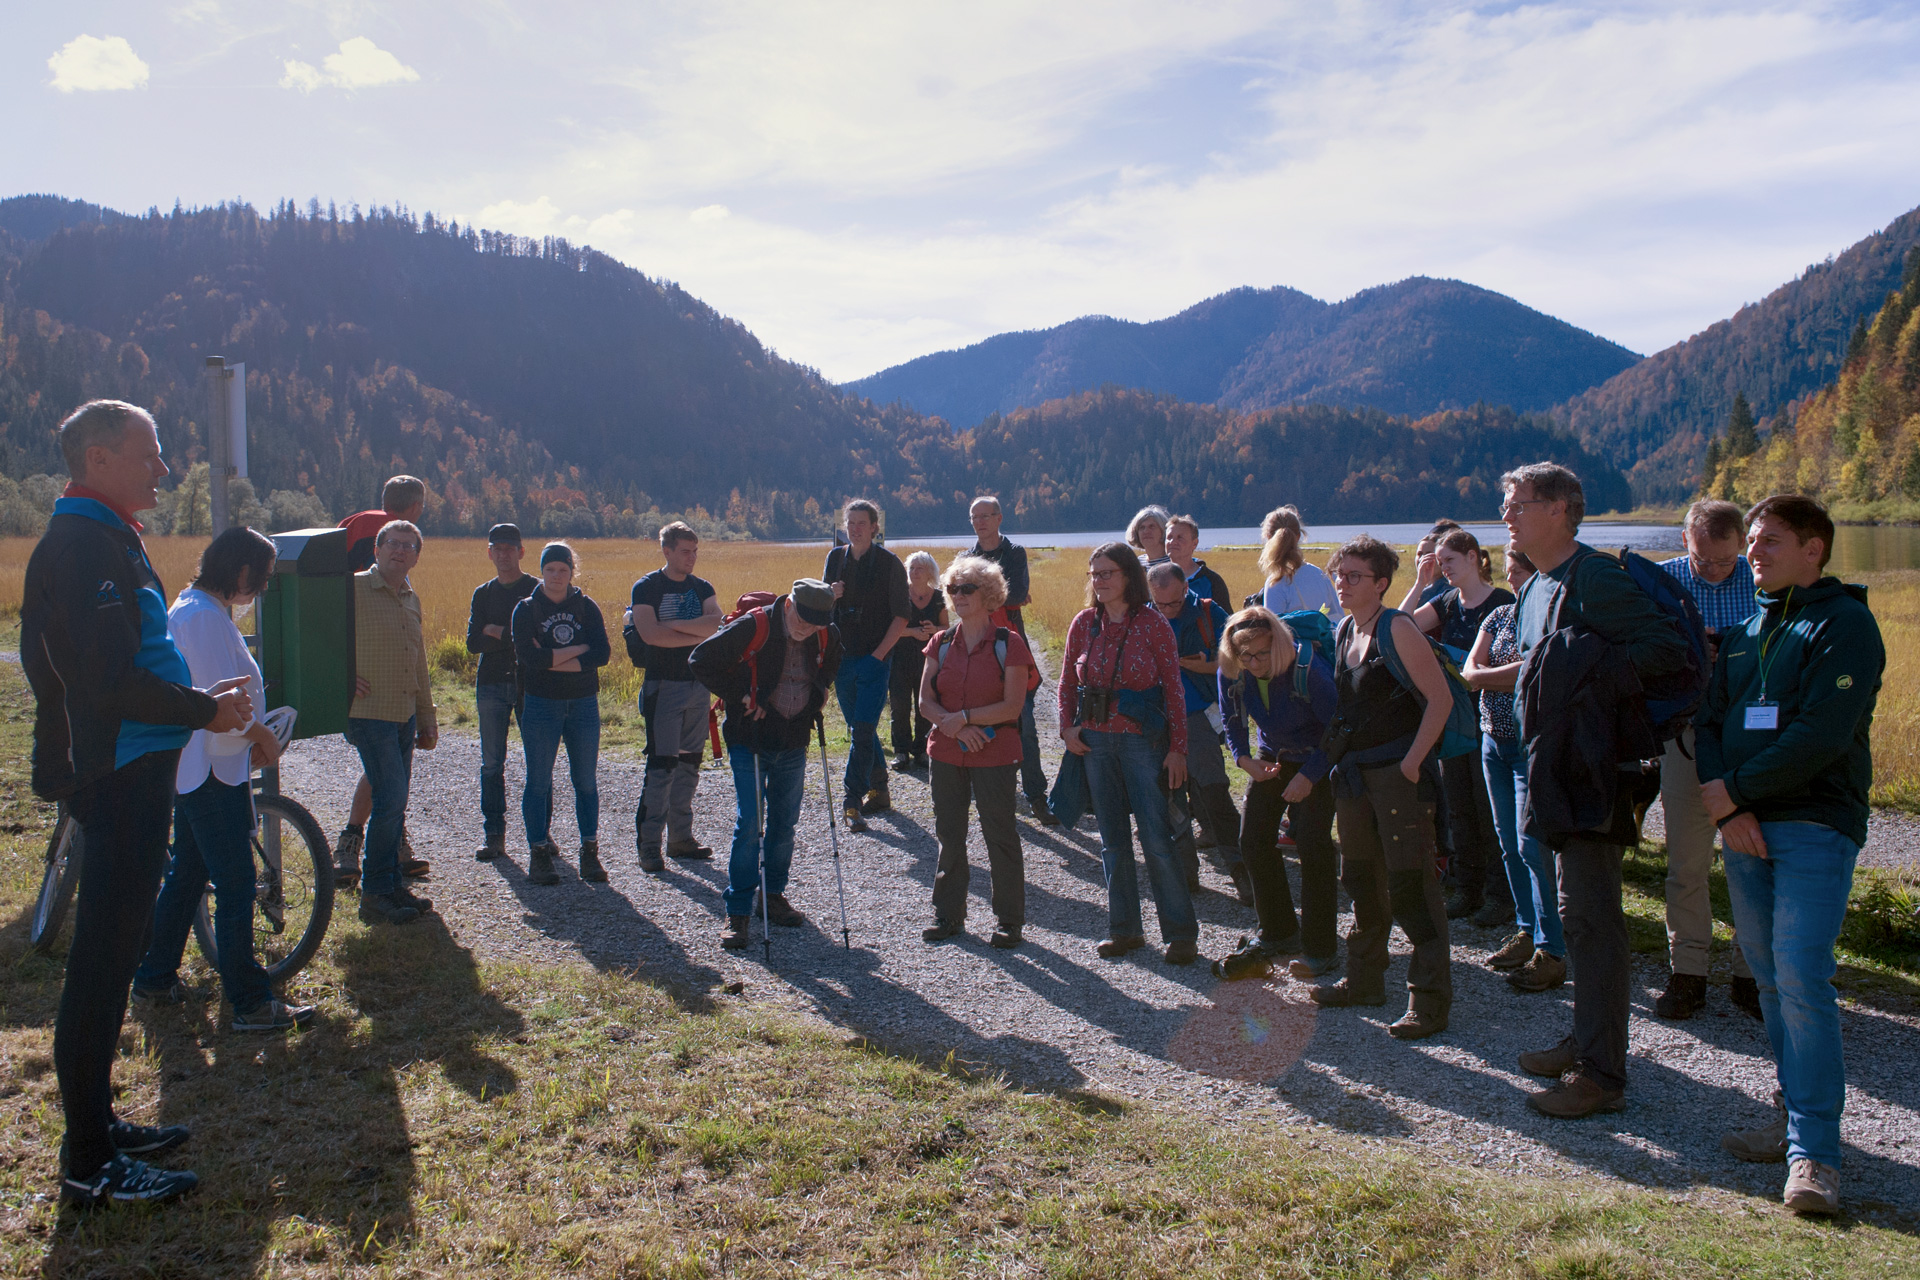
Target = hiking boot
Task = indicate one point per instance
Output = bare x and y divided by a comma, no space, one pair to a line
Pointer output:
1494,913
689,851
1242,883
1551,1063
273,1015
1418,1023
590,868
411,865
903,764
1812,1187
540,868
940,931
877,802
1578,1094
379,908
1114,948
1249,960
1542,972
1765,1145
1513,953
1745,994
1307,968
1343,995
734,936
1686,993
1461,904
854,821
1181,951
124,1180
496,846
408,898
1006,936
651,861
781,914
178,993
146,1139
1044,816
346,856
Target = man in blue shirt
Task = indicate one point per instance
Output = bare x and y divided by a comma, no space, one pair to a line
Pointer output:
1197,627
1720,581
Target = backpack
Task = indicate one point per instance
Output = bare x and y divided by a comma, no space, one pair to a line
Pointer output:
999,654
1462,733
758,604
1312,634
1671,699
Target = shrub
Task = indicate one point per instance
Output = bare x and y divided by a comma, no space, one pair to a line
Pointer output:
449,654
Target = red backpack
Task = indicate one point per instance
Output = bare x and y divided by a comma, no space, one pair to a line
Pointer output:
759,604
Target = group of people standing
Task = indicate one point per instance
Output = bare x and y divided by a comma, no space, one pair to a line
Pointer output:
1501,739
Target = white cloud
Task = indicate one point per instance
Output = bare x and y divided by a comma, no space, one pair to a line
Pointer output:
91,64
194,11
709,213
360,64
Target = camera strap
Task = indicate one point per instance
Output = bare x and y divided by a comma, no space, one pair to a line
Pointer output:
1113,676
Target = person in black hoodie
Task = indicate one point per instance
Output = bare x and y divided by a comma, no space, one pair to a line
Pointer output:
560,644
772,667
495,691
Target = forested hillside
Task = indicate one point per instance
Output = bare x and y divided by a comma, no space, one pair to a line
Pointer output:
1412,348
1655,419
1856,441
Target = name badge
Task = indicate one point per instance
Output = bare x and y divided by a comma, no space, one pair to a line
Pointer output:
1763,715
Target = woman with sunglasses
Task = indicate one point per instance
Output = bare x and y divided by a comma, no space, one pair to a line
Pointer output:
1122,708
973,688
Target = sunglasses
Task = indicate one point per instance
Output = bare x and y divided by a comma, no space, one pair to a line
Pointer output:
963,588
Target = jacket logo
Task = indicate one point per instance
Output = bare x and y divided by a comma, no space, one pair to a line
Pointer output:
563,634
1844,682
108,595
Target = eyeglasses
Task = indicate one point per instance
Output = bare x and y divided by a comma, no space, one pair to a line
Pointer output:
1101,575
397,545
1355,575
1519,508
1701,562
962,588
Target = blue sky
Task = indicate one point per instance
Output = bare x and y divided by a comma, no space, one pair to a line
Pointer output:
861,184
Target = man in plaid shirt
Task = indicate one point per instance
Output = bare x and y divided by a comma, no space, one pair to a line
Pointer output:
1721,582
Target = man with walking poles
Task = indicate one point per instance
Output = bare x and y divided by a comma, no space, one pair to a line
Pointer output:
771,666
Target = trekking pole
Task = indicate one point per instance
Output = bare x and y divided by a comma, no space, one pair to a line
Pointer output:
833,832
760,838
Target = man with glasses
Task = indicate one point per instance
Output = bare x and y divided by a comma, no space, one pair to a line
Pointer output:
1720,581
988,544
1575,588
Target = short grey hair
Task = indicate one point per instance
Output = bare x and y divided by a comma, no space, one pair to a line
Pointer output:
1715,519
1163,570
1154,514
1551,482
97,422
984,500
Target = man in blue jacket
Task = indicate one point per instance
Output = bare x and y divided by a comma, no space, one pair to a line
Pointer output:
113,706
1785,764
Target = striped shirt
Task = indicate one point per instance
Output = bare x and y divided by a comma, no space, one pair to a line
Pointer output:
1723,605
389,653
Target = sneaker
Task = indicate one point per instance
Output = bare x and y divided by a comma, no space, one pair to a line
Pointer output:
1461,904
178,993
410,864
273,1015
781,914
146,1139
1495,913
1249,960
1343,994
940,931
1418,1024
1307,968
1181,951
380,908
1745,994
1685,995
1765,1145
540,869
408,898
651,861
124,1180
691,851
854,821
346,856
1541,972
495,846
1578,1094
877,802
1812,1187
1513,953
1551,1063
1006,936
590,868
1114,948
734,936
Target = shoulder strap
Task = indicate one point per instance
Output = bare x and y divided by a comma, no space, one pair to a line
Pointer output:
1206,626
1383,637
946,643
1000,648
1302,659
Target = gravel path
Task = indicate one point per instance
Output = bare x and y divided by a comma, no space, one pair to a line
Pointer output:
1052,1015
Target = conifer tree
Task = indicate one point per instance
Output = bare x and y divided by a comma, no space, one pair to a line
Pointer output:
1743,436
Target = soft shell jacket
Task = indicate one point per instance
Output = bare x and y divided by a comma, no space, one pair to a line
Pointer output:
1582,717
1823,663
720,663
108,683
1291,727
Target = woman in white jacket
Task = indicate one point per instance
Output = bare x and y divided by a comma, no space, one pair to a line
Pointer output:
213,813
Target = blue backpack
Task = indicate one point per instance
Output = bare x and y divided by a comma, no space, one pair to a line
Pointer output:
1312,634
1462,733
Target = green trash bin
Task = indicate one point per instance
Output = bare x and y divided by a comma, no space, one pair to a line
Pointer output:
306,631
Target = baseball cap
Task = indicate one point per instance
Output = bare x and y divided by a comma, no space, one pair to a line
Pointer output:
509,533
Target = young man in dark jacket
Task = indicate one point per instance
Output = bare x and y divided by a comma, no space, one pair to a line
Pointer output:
489,624
1785,764
871,612
1575,588
113,706
772,668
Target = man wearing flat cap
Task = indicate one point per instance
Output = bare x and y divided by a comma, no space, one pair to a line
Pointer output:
772,667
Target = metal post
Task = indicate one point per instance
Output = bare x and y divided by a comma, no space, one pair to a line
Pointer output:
218,436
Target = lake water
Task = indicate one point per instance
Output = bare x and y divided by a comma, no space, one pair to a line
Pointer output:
1857,548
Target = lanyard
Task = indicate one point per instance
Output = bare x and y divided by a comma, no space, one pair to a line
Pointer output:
1766,643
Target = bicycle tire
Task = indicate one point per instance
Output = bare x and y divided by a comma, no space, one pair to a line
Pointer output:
57,884
303,892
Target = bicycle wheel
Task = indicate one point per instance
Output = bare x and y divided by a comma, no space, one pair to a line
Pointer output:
293,889
57,883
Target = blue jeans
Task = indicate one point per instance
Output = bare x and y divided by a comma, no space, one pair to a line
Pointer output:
494,705
1033,774
212,840
386,757
1124,774
782,779
544,724
861,686
1787,912
1529,864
